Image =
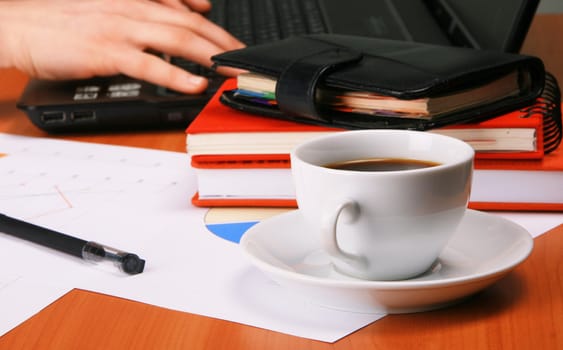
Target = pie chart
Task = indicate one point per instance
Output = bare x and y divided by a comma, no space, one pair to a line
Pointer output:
231,223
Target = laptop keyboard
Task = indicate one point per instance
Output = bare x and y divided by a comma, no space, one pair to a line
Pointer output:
261,21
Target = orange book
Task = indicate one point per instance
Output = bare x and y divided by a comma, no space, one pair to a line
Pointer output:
521,185
220,131
515,135
540,180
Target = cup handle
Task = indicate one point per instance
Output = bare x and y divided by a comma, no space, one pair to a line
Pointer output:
328,233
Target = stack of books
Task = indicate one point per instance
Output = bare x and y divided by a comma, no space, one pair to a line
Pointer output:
242,159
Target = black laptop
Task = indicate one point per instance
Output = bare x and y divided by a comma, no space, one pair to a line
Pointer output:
120,102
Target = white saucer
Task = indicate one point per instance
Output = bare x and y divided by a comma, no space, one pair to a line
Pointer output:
484,249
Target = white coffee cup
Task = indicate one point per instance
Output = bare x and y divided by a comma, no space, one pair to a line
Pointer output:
383,225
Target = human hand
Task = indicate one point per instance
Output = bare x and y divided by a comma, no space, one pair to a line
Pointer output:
61,39
200,6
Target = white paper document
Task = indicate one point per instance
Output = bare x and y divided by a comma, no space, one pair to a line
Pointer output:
22,297
136,200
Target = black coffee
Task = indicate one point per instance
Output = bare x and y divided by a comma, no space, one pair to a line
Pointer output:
381,164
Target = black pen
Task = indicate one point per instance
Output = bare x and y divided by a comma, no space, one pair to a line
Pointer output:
90,251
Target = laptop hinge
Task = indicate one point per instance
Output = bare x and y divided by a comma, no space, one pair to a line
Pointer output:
451,24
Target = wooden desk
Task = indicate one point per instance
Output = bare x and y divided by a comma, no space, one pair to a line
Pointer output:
522,311
545,40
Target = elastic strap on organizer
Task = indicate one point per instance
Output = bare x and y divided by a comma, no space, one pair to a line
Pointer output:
297,84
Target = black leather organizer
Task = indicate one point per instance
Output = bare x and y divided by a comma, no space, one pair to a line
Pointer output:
404,70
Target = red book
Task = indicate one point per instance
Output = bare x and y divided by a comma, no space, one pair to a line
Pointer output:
522,185
220,133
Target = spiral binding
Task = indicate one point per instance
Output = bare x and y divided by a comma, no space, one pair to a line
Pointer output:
549,106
